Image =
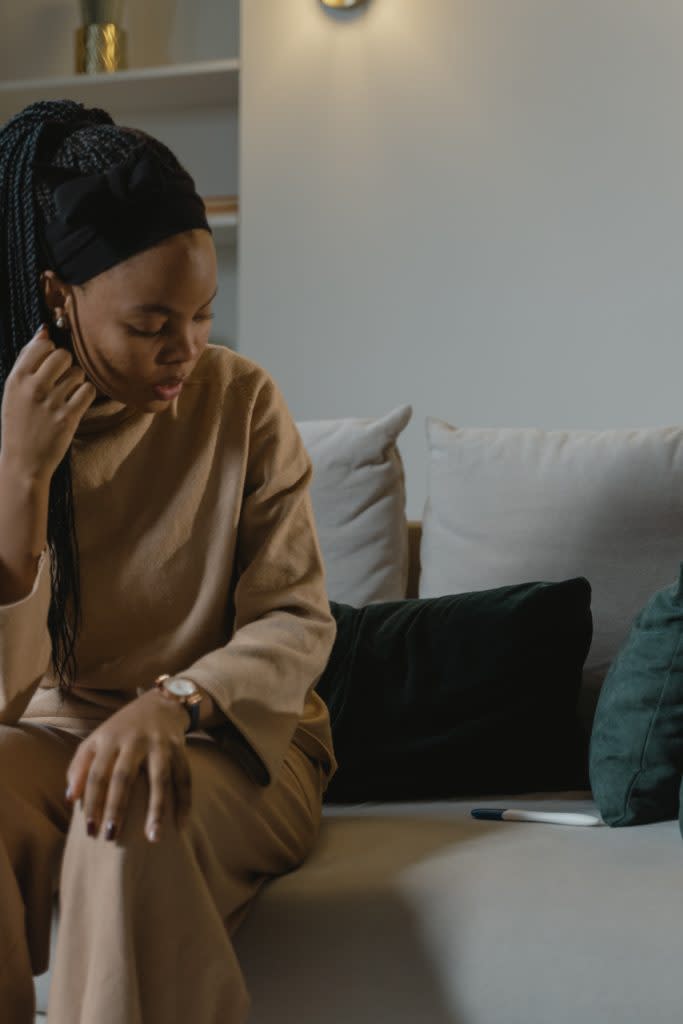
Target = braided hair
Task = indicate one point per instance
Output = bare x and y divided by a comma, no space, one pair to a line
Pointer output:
48,135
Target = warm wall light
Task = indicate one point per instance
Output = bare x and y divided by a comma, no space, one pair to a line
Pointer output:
342,3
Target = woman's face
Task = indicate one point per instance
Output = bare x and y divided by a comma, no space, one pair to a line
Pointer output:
144,321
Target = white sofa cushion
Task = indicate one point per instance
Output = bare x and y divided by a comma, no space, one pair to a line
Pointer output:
359,499
513,505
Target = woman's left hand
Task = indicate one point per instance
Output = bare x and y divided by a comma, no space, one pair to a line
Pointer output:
148,734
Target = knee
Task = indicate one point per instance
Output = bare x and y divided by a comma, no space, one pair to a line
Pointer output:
33,764
33,811
13,741
129,864
130,841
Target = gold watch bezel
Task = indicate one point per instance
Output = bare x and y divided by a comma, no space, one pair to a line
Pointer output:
186,699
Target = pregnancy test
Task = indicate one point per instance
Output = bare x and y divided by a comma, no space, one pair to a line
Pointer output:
552,817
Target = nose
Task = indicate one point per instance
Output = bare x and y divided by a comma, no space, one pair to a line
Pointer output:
186,344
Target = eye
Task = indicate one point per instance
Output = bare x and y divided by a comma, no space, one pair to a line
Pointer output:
143,334
206,317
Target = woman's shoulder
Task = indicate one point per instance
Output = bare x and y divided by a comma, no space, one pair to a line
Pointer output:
226,368
234,376
242,400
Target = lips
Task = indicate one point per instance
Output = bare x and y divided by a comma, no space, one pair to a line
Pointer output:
167,392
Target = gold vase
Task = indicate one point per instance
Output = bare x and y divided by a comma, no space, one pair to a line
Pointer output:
100,47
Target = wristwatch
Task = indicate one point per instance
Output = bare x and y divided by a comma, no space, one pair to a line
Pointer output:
185,692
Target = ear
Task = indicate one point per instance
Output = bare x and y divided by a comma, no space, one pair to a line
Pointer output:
55,292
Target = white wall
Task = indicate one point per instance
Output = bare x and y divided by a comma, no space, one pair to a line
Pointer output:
472,205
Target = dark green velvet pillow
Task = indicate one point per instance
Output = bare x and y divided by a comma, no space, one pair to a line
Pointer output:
471,693
636,746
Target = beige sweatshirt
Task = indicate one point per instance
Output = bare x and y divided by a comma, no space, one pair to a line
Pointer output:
198,557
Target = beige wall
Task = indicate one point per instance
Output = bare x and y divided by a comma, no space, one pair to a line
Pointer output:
472,205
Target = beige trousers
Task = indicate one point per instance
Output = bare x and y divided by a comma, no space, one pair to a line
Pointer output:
144,929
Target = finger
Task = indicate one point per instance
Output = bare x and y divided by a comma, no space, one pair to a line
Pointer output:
34,352
84,395
77,772
66,385
73,392
124,773
159,773
96,789
54,366
182,785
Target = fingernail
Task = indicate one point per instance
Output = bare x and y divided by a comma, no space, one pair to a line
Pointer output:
69,792
153,833
41,327
110,830
92,827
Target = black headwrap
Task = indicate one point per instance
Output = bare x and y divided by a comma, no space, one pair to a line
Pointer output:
102,219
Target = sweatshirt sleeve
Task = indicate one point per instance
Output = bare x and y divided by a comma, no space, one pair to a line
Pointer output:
283,627
25,645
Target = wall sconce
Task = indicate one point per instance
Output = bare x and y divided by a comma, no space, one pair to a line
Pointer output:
342,3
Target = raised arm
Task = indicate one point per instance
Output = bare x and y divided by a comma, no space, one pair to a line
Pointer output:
43,402
23,530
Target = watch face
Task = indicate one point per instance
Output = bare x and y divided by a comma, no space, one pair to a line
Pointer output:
180,687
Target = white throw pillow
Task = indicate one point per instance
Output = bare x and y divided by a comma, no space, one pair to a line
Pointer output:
359,500
513,505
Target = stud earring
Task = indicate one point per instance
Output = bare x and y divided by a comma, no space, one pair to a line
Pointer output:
61,322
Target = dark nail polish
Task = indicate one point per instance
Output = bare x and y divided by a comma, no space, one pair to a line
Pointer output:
110,830
92,827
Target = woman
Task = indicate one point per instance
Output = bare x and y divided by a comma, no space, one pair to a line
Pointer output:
159,574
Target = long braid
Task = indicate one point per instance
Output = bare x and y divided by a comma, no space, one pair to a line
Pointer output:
54,134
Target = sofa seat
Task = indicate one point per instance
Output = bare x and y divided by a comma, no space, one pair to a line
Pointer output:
415,912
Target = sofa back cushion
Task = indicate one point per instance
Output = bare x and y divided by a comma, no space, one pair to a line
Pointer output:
510,505
359,501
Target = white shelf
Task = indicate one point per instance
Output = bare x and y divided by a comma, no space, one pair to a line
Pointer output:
213,83
224,227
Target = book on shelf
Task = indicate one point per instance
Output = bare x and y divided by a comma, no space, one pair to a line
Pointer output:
221,204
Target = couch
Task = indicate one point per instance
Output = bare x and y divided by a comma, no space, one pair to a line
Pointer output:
411,912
